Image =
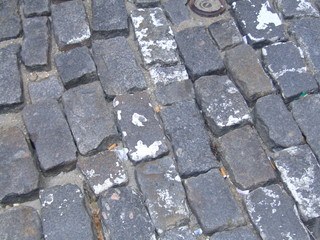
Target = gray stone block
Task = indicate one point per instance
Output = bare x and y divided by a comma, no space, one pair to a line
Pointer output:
118,70
10,22
162,76
235,234
200,55
296,8
146,3
182,233
176,11
186,130
314,227
33,8
64,214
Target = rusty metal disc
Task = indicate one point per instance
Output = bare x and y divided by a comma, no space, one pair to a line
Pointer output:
207,8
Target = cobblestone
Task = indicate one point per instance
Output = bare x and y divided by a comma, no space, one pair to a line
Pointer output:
296,8
235,234
182,233
162,76
32,8
176,10
10,22
147,3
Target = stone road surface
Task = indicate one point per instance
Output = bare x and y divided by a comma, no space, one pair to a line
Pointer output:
138,119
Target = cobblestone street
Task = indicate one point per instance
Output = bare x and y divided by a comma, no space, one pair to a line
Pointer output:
141,120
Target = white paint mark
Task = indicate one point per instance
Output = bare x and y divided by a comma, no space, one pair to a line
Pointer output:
138,119
48,200
115,103
99,188
265,17
91,173
119,114
145,151
84,35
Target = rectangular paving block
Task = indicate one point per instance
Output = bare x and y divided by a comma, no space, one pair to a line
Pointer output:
10,22
244,158
274,214
238,233
200,55
140,128
212,202
221,103
118,70
296,8
50,134
32,8
64,214
162,76
147,3
166,201
182,233
177,11
186,130
90,118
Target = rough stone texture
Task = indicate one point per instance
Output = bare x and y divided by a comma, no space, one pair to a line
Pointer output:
275,123
185,128
161,185
200,55
10,23
162,76
258,21
182,233
50,134
246,71
103,171
118,70
146,3
45,89
109,18
76,67
124,207
20,223
300,172
63,213
11,93
90,118
274,214
154,36
225,33
314,227
307,115
222,104
211,201
296,8
18,173
245,159
235,234
70,24
136,120
35,46
176,11
33,8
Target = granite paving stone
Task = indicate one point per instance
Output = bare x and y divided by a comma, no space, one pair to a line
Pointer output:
275,123
161,185
64,214
314,227
200,55
109,18
33,8
76,67
10,22
300,171
18,174
147,3
246,71
274,214
124,207
212,202
182,233
244,158
176,11
238,233
221,103
20,223
186,130
70,24
162,76
118,70
50,134
258,21
296,8
35,46
140,128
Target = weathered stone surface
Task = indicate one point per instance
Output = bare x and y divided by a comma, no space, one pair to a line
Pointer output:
63,213
45,89
11,93
70,24
147,3
18,173
20,223
90,118
124,216
50,134
306,113
211,201
270,209
10,23
155,37
118,70
191,144
137,120
33,8
300,172
162,76
161,184
225,33
258,21
275,123
103,171
246,71
109,18
200,55
176,10
76,67
35,46
222,104
235,234
314,227
182,233
245,159
296,8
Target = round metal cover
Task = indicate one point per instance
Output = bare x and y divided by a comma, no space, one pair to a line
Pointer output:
207,8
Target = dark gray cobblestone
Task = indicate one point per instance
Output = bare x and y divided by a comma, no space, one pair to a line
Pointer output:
176,10
162,76
10,22
147,3
246,233
182,233
297,8
33,8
